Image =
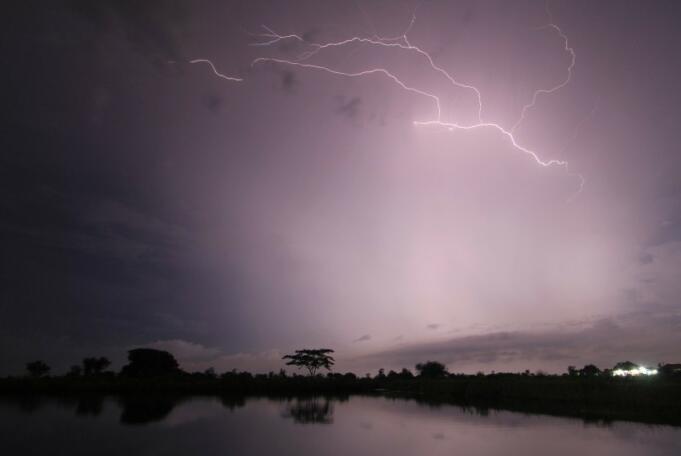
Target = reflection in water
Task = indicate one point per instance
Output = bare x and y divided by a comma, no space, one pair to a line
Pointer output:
368,425
310,410
146,409
90,405
233,402
356,426
135,409
567,410
29,403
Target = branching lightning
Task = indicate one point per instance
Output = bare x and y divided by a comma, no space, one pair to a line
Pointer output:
269,38
401,42
553,89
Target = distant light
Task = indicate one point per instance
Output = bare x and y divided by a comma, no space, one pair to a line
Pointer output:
634,372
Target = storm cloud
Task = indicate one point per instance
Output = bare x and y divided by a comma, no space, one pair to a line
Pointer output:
146,202
641,337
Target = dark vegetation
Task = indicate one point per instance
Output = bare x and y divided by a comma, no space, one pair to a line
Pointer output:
311,359
152,382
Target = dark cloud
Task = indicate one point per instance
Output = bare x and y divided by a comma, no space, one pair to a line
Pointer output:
349,108
640,337
88,235
129,213
286,79
645,258
468,13
310,36
289,81
151,26
433,326
213,102
668,231
363,338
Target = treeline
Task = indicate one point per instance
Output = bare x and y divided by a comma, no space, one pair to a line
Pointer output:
158,370
578,392
147,363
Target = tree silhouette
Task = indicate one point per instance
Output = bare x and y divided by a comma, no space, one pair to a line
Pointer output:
94,366
75,371
625,365
311,359
589,371
37,369
431,369
148,362
405,373
669,370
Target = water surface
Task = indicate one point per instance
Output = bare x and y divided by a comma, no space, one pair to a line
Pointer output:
307,426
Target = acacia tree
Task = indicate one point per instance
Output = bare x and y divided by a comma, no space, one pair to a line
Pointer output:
311,359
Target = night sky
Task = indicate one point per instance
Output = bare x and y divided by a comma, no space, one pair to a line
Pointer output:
146,201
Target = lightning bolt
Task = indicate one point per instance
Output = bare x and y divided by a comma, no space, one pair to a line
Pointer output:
575,133
383,71
269,38
215,71
273,37
566,81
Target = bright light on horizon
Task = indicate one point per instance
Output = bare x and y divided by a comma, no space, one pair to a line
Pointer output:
638,371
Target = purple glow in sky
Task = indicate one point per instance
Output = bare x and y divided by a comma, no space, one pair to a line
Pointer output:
389,179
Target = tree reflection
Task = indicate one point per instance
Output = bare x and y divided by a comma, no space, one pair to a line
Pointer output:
310,410
146,409
233,402
90,405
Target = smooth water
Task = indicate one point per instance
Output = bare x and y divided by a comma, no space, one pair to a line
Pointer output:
353,426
